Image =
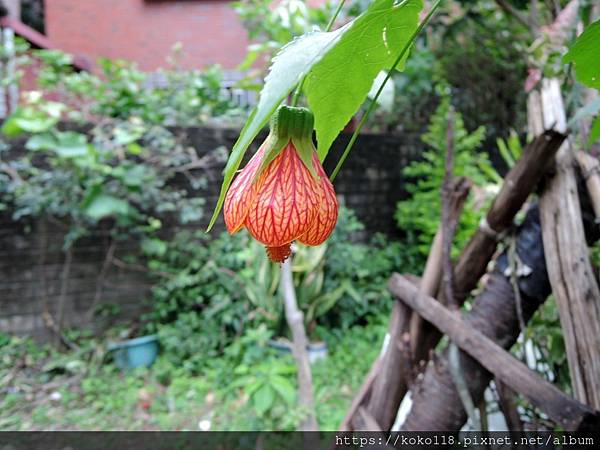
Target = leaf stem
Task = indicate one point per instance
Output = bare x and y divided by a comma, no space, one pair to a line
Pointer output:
380,90
298,91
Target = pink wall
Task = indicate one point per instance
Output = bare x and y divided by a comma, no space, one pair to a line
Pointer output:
145,30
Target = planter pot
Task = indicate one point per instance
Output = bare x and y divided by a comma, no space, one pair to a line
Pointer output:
138,352
316,350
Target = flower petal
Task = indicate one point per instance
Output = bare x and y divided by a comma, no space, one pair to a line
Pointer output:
327,215
287,201
242,192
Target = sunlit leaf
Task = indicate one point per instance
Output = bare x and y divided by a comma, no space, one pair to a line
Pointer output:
585,55
339,84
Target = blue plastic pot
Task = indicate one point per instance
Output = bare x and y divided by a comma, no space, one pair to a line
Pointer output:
138,352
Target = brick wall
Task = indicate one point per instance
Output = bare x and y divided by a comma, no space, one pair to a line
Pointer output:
145,30
32,261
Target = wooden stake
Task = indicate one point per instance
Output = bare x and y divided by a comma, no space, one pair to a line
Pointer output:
590,169
569,413
568,260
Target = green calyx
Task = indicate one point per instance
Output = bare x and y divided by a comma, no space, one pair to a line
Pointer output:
293,124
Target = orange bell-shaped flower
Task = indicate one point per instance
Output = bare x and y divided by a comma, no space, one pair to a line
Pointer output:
283,194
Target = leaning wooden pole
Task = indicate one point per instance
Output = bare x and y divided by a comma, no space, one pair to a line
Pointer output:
568,259
387,392
569,413
436,402
518,184
590,170
472,264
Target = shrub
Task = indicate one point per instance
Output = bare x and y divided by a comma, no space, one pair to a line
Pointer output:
209,292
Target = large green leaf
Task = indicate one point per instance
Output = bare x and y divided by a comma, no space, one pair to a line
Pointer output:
339,84
373,39
585,54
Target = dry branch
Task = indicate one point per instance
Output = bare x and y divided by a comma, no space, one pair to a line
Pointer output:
387,393
518,184
561,408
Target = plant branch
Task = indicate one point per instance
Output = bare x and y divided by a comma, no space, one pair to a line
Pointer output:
295,320
511,10
449,224
371,106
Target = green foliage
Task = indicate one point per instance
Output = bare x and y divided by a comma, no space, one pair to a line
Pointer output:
375,39
208,293
198,306
585,55
419,216
116,161
481,56
333,63
168,97
118,170
546,335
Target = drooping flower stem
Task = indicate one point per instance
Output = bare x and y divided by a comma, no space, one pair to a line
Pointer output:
298,91
373,103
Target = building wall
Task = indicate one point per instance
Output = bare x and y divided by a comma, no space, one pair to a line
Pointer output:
146,30
32,260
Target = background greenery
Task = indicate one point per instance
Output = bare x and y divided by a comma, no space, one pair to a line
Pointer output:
215,303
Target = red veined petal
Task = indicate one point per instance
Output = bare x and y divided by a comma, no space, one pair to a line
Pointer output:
287,201
327,215
241,193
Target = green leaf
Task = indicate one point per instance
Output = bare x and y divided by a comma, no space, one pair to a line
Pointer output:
71,144
339,84
103,205
28,120
284,388
356,52
585,54
594,131
154,247
10,127
263,399
43,141
591,108
68,144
